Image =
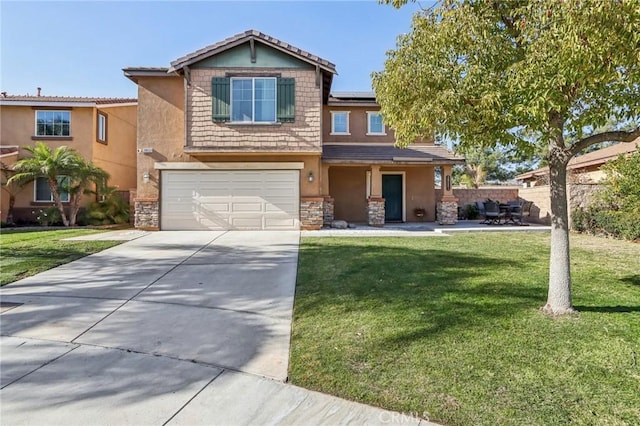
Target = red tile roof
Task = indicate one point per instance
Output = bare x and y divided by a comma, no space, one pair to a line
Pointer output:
81,99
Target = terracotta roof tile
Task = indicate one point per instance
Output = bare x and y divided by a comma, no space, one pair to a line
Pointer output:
99,101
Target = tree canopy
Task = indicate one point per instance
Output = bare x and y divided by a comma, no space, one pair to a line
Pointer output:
534,76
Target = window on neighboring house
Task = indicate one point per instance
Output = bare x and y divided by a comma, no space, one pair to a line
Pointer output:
53,123
253,100
339,122
43,190
374,123
101,129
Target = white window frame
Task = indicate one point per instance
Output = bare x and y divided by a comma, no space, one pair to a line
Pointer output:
253,100
369,132
35,131
102,127
51,200
333,114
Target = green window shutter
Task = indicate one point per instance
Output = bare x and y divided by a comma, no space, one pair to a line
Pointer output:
221,98
286,100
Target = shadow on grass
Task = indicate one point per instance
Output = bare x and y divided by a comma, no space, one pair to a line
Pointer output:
435,288
632,279
608,309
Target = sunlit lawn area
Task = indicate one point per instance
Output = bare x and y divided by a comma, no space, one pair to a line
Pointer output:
26,253
450,327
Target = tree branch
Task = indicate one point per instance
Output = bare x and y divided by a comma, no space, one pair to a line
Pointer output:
616,136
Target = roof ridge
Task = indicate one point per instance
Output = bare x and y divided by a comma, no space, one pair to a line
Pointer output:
245,36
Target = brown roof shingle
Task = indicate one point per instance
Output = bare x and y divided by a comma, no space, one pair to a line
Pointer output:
593,158
336,153
240,38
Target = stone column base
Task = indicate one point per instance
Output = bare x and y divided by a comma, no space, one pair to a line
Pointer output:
447,212
147,214
328,211
311,212
375,211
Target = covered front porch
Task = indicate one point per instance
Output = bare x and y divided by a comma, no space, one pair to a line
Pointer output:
377,185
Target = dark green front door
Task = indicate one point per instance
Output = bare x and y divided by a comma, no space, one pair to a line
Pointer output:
392,194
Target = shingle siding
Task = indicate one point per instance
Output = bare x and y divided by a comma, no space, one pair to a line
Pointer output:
302,135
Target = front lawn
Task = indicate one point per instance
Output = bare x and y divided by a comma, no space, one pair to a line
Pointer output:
450,328
26,253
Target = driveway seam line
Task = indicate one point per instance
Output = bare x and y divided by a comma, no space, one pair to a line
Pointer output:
43,365
146,287
212,307
193,397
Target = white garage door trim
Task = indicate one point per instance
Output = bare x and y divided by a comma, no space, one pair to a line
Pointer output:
230,199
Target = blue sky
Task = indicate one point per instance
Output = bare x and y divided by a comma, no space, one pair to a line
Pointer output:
78,48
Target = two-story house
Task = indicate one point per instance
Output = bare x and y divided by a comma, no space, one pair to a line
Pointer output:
245,134
101,130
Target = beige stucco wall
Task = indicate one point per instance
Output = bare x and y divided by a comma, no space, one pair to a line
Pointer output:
357,126
303,135
17,124
347,186
160,126
118,156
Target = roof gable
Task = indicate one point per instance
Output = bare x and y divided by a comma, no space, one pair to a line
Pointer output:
264,56
251,37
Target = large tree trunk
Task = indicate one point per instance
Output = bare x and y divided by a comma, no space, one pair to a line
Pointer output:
559,296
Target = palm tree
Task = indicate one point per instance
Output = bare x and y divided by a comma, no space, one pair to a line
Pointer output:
50,164
81,178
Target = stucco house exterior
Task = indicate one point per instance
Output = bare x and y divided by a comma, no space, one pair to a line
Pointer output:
246,134
583,168
102,130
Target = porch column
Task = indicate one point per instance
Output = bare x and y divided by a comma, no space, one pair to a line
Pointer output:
328,203
447,208
375,203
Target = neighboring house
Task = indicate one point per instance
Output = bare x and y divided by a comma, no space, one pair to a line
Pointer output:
244,134
102,130
582,169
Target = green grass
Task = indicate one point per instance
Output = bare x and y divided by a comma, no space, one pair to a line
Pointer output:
450,328
26,253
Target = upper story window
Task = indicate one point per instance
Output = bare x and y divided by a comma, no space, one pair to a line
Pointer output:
339,122
43,190
53,123
101,127
375,126
253,99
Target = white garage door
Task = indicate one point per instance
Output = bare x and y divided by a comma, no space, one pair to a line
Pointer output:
230,199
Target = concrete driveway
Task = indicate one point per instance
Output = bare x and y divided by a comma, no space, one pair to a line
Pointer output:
173,327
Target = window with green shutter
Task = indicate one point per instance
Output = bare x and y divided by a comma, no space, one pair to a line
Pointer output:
286,100
253,100
221,95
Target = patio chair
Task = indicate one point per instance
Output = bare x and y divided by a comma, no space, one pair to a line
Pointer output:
492,213
518,215
481,212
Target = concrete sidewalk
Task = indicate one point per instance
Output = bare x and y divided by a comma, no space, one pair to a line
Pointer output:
168,328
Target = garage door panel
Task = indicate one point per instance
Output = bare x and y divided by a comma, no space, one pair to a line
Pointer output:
238,199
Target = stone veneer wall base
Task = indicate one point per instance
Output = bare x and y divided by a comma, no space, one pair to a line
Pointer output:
447,212
328,211
311,212
375,211
147,214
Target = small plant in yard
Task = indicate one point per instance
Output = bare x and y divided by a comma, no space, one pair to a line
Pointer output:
48,216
